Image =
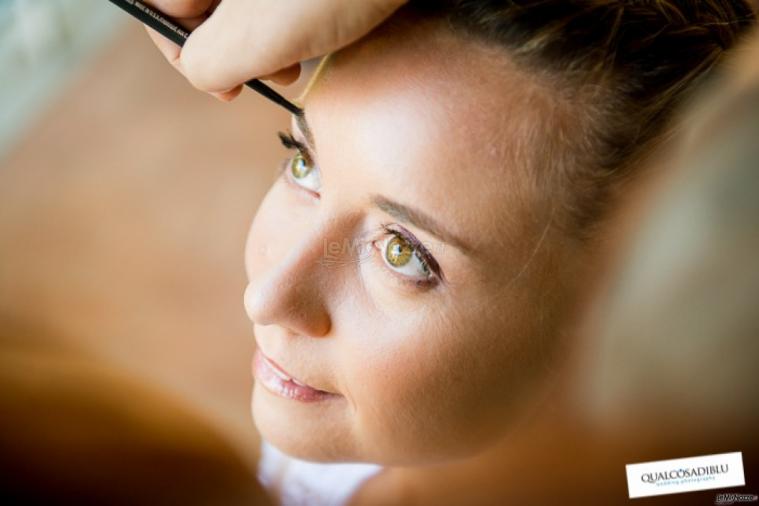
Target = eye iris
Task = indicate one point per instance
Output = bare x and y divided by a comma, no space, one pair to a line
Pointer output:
299,167
398,252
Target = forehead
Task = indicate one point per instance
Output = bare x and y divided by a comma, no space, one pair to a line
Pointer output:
427,118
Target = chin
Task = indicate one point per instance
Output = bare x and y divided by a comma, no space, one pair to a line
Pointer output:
316,432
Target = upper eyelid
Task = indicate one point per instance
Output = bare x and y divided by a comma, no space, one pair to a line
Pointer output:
300,125
290,142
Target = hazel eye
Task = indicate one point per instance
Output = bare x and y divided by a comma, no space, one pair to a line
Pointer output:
402,257
304,173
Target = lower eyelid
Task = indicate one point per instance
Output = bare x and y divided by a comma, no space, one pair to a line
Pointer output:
405,281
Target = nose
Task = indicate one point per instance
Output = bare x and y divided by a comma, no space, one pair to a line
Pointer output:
290,292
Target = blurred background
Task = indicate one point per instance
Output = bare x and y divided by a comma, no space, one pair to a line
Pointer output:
125,198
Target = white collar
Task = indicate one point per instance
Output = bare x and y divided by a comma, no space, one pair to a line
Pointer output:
295,482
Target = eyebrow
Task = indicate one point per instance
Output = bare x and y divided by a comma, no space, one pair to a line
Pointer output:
404,213
300,120
419,219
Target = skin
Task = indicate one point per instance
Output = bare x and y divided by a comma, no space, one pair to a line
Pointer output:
414,113
607,412
244,39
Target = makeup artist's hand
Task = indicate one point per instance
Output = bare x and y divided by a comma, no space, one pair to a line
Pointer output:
246,39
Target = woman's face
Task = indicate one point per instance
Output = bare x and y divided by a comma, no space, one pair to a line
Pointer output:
402,270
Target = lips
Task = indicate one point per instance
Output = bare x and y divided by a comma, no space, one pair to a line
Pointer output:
280,382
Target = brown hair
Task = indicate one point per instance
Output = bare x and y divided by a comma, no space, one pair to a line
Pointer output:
617,69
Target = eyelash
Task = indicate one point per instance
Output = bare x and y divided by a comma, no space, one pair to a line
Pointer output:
426,259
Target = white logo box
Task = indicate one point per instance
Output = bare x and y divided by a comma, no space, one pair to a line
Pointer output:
685,475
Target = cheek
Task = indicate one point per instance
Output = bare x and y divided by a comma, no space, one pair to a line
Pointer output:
421,385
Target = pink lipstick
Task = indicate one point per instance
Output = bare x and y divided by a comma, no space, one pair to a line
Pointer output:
280,382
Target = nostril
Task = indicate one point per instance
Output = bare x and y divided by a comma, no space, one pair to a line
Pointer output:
289,307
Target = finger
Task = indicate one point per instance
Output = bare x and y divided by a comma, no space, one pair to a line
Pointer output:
279,35
287,75
228,96
182,8
168,48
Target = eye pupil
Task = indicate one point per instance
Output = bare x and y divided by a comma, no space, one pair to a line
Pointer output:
298,167
398,252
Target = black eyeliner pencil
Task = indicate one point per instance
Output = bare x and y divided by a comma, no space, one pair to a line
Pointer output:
175,33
